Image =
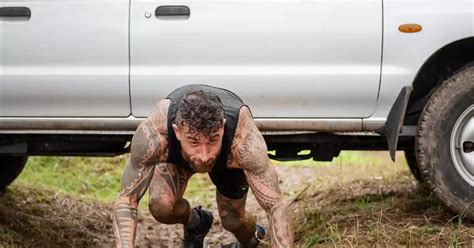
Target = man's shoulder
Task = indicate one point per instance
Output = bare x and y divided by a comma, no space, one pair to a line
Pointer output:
245,121
159,117
245,114
247,142
163,104
152,134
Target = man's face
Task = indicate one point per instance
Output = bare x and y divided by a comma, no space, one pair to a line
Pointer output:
199,150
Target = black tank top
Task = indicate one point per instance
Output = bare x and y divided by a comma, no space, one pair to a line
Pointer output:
232,104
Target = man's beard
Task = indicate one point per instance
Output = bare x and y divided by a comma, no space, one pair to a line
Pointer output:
197,165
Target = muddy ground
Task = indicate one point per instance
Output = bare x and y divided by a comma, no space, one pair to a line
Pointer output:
355,211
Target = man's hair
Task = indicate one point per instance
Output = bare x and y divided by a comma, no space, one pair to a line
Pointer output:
201,111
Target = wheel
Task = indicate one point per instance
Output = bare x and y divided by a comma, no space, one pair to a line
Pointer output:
10,168
410,157
444,142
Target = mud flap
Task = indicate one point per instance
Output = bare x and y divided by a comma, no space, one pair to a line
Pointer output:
394,124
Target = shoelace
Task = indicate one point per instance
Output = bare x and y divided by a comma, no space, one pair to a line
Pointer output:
260,235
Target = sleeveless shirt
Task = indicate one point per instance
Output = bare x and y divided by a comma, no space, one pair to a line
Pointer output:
231,103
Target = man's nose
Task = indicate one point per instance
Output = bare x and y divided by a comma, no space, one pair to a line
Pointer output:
205,153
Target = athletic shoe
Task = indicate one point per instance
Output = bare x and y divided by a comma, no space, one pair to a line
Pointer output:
194,238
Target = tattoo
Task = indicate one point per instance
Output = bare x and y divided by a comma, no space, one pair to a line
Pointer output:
174,178
235,219
159,120
282,230
145,149
148,146
250,152
166,191
124,223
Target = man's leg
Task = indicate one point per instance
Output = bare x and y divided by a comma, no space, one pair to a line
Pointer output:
235,219
168,206
166,191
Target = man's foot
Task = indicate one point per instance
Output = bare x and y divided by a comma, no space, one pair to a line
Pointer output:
194,237
259,235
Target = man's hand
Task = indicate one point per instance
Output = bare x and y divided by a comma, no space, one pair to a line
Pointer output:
147,148
250,152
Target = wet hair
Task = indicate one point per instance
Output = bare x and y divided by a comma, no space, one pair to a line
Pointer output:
201,111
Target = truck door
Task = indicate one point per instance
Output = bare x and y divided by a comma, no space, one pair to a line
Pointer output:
64,58
285,58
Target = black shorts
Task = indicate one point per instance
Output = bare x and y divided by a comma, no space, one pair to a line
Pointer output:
230,183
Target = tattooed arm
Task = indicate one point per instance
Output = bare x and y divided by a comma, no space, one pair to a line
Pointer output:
147,149
250,152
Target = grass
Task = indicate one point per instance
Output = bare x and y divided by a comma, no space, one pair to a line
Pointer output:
40,218
96,179
8,237
390,212
83,177
100,178
358,199
346,158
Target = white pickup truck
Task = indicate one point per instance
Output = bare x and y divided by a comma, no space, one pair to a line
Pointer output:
78,76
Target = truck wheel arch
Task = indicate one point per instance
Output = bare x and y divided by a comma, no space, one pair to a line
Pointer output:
440,66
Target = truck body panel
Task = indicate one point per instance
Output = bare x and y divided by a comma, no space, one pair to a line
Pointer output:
69,59
285,58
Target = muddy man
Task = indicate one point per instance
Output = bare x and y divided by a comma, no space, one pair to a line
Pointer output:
201,129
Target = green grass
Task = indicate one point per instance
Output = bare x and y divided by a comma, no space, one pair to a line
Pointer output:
92,178
95,178
99,178
200,191
431,229
346,158
365,204
8,238
315,239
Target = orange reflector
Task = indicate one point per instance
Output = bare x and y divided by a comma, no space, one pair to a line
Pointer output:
409,28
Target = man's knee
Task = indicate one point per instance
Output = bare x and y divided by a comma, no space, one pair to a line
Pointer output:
231,221
163,212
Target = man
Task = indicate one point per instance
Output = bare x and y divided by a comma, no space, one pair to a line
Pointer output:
201,129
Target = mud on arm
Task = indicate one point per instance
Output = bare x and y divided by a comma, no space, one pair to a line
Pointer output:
250,151
147,148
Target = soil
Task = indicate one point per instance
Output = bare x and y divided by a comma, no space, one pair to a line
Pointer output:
35,218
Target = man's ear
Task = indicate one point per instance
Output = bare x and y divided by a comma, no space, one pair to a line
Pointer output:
176,131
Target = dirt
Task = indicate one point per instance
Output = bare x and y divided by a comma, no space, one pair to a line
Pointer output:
38,218
151,234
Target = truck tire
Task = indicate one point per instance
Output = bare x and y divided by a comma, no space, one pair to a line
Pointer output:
444,139
410,157
10,168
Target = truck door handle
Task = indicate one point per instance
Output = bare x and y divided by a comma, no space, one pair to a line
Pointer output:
15,12
172,10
